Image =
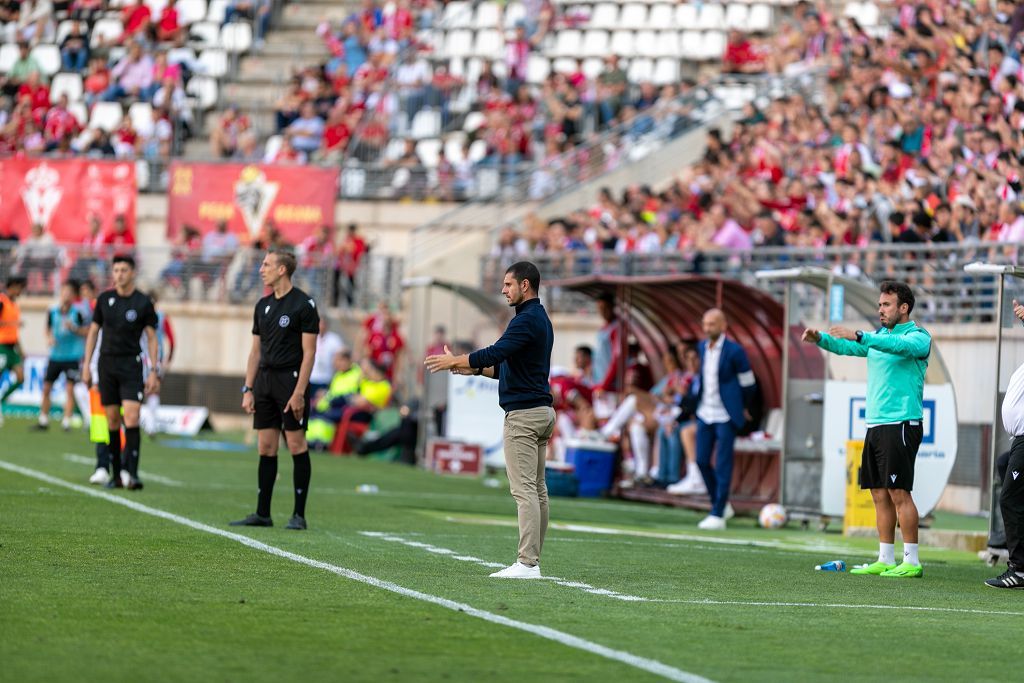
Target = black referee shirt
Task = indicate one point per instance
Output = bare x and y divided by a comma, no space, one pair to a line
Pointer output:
123,319
280,324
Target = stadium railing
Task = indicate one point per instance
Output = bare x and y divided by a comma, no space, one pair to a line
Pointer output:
180,274
946,294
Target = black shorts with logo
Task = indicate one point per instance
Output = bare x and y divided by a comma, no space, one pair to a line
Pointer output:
120,379
271,392
71,369
889,455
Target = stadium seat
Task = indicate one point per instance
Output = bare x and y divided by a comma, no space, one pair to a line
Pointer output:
457,14
273,146
852,10
142,174
500,69
686,16
712,45
593,67
563,65
140,113
8,56
645,44
640,70
666,71
690,45
69,84
660,17
736,16
568,43
190,11
236,37
155,6
667,44
204,34
215,62
605,16
474,120
595,44
477,151
537,69
78,110
106,116
48,56
711,16
205,90
622,43
179,55
429,151
216,10
105,29
759,20
63,29
869,14
457,67
489,44
394,149
634,16
488,14
453,146
458,43
514,12
426,124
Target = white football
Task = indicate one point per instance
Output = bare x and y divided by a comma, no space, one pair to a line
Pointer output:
773,516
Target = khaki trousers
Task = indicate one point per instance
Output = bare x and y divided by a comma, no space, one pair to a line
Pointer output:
526,441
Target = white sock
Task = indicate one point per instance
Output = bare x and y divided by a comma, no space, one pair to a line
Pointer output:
910,553
887,552
44,419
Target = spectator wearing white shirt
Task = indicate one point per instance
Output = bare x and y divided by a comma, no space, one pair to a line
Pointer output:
307,131
328,345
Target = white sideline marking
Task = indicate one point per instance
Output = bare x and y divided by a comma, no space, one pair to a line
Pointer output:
650,665
148,476
586,587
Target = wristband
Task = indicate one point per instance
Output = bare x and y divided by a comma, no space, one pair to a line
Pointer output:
479,371
246,388
860,337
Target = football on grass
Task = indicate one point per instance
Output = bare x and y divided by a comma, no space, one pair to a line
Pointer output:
772,516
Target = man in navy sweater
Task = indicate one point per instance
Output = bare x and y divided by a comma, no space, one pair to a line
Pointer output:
521,362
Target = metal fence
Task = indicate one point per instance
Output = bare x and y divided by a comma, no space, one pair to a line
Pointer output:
179,274
945,293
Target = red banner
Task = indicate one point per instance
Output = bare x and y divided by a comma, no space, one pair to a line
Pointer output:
296,199
60,194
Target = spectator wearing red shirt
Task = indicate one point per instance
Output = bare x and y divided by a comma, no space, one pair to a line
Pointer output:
120,240
385,348
224,139
167,28
136,19
741,57
350,254
59,122
336,137
37,94
96,81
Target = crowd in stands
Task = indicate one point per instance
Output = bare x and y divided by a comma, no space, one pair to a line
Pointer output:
918,140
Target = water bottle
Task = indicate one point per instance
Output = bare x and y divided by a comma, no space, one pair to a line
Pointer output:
367,488
833,566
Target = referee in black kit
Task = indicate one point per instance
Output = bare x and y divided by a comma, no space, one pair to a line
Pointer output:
276,392
123,314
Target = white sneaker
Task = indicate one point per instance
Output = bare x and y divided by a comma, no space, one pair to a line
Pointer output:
126,479
518,571
729,512
100,477
712,523
688,486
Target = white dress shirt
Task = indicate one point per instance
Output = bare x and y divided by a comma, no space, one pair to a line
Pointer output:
711,409
1013,404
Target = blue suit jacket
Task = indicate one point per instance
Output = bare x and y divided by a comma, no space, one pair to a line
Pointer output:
735,380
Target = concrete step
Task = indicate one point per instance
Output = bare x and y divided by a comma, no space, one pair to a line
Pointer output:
271,68
249,94
261,118
308,14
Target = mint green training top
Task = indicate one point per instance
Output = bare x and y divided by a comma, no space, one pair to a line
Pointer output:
897,361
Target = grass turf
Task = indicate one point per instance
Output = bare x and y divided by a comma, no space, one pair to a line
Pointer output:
94,591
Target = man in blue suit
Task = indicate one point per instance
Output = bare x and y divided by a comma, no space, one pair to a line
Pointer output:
724,388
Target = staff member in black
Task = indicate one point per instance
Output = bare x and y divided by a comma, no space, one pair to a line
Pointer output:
276,392
521,362
124,314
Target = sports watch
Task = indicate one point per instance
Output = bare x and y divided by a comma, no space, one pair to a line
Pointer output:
246,388
860,336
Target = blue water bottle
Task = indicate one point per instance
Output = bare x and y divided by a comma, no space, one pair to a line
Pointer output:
833,566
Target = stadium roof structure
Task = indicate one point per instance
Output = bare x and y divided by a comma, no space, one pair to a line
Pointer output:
664,309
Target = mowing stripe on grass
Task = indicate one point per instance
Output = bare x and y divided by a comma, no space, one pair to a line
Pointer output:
148,476
585,587
650,665
826,605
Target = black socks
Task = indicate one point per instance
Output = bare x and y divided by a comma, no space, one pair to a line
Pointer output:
115,452
300,477
132,439
267,476
102,456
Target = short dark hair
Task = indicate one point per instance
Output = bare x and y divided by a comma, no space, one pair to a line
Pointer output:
123,258
903,293
524,270
285,258
585,350
74,285
17,281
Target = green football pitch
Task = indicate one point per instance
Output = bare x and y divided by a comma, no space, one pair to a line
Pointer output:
153,585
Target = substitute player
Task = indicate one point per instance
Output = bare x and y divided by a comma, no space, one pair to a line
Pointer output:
276,391
66,327
897,356
11,358
123,314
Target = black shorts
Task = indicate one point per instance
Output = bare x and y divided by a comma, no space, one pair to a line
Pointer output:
71,369
889,454
271,392
120,379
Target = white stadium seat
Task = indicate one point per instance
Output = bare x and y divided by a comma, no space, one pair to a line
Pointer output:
640,70
595,44
429,151
633,16
106,29
537,68
78,110
593,67
236,37
205,34
453,147
736,16
759,20
69,84
48,57
606,16
426,124
660,18
63,29
666,71
205,90
273,146
690,45
711,16
8,56
458,43
488,14
190,11
667,44
514,12
686,16
458,14
215,62
106,116
477,151
645,44
155,6
140,113
215,12
712,45
622,43
568,43
474,120
489,44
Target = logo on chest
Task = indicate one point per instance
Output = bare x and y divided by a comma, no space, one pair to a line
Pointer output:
284,321
130,315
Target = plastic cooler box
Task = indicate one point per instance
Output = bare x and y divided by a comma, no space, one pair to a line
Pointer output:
594,462
561,479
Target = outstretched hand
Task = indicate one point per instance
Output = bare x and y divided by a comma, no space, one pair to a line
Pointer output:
811,336
444,361
1018,310
843,333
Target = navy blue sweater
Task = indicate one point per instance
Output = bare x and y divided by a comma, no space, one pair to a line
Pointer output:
521,358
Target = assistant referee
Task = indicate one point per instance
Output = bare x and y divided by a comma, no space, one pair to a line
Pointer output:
897,354
276,392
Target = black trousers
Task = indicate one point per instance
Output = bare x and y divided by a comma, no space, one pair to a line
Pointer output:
403,435
1011,504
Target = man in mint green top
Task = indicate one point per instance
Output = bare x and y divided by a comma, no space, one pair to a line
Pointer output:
897,356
